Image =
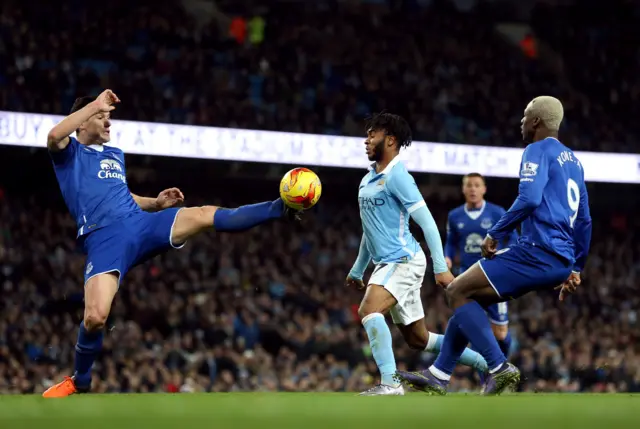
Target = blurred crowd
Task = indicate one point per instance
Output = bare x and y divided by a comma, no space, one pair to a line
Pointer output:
267,310
322,66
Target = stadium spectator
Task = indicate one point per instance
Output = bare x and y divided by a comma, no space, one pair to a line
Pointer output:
266,310
316,67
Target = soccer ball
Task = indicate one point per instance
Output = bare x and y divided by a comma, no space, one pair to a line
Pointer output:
300,188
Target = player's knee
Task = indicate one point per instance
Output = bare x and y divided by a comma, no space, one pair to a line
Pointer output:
95,319
202,217
452,294
500,331
364,311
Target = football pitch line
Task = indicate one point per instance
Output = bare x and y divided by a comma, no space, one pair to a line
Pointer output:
320,411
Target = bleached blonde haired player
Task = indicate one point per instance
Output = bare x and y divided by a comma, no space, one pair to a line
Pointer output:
553,209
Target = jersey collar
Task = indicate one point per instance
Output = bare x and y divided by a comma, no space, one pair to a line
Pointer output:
476,213
387,169
96,147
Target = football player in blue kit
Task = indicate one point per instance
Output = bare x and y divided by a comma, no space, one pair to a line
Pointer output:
118,229
553,209
466,227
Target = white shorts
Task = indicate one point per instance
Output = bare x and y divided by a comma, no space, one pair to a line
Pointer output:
403,280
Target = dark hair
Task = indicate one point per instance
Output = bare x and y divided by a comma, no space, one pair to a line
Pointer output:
393,125
81,102
470,175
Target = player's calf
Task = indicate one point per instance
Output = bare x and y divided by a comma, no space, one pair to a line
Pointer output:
502,334
420,339
193,220
376,303
99,293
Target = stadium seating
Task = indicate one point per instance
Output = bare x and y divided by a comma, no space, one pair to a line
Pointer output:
319,67
267,310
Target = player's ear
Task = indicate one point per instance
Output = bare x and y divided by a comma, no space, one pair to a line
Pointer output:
536,122
391,140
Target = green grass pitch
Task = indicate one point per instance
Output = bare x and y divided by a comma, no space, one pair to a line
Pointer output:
320,411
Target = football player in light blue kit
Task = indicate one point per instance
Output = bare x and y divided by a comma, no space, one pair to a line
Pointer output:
466,227
115,227
553,207
388,196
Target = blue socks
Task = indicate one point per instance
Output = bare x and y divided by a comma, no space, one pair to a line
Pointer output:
468,358
505,345
246,217
381,347
469,322
87,349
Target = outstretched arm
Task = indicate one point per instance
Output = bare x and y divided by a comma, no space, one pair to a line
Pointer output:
450,243
168,198
534,175
58,137
582,230
147,204
362,261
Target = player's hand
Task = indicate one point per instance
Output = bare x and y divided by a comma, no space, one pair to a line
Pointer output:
356,283
444,279
489,247
106,101
169,198
569,286
448,261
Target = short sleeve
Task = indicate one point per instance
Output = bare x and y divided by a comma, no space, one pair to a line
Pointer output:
63,156
404,188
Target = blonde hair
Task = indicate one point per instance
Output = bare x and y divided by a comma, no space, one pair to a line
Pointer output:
548,109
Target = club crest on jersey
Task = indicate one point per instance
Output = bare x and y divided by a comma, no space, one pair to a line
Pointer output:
111,169
529,169
486,223
460,225
472,243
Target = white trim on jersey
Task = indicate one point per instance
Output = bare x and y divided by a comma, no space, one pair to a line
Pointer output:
474,215
416,206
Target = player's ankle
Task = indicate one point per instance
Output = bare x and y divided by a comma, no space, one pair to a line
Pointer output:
389,380
439,374
82,381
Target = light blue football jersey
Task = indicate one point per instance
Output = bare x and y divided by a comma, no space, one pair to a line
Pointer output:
386,200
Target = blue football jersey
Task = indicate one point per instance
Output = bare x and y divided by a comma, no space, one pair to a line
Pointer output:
93,184
386,201
467,228
552,203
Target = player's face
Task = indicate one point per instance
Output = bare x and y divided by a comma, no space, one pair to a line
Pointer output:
473,189
528,127
97,128
374,144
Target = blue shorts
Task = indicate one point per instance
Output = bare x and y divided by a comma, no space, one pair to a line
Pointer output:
524,268
498,313
122,245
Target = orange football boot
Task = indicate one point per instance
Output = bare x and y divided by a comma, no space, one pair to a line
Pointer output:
65,388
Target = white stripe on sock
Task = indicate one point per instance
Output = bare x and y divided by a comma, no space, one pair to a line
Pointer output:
491,371
431,342
441,375
368,317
